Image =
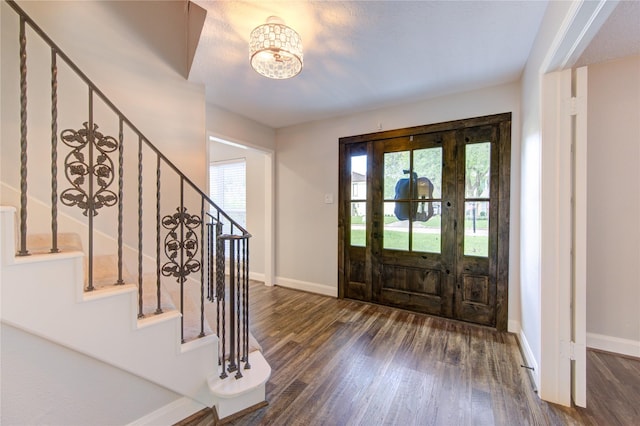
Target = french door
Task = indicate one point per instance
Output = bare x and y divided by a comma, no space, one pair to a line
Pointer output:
424,219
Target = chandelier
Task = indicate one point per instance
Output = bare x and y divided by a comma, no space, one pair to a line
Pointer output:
276,50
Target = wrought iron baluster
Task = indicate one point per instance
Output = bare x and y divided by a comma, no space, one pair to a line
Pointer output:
158,282
90,201
181,262
23,140
202,271
221,296
247,366
140,312
120,193
236,302
209,261
54,153
232,305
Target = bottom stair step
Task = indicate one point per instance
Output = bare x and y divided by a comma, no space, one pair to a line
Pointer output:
235,395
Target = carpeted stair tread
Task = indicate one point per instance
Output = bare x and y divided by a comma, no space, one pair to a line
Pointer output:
41,243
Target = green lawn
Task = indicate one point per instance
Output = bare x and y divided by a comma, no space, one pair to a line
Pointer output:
430,243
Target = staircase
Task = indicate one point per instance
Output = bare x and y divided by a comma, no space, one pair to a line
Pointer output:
157,287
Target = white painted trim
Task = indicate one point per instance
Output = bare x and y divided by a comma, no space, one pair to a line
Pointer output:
614,344
171,413
257,276
529,358
579,213
582,22
307,286
556,240
514,327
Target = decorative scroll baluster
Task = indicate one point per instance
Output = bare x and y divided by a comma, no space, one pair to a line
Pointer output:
90,201
158,282
54,153
140,313
23,140
120,193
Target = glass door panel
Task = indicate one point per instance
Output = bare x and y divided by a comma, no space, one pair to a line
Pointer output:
477,193
358,205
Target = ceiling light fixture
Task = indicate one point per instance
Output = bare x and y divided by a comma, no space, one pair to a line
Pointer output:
276,50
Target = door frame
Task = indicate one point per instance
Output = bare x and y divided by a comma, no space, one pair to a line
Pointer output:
504,152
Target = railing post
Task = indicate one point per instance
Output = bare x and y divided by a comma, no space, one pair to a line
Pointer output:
245,242
232,305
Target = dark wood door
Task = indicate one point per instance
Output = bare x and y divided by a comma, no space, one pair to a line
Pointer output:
424,219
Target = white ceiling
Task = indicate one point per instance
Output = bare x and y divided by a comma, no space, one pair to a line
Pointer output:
363,55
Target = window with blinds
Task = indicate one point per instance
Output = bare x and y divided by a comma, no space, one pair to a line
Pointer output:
228,188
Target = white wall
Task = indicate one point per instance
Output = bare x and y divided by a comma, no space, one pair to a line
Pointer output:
44,383
236,128
307,169
255,169
613,233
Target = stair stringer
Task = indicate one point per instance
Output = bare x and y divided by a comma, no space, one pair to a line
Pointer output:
43,294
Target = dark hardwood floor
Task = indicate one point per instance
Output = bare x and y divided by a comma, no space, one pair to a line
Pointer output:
341,362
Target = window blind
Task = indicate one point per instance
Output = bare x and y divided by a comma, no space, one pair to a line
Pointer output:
228,188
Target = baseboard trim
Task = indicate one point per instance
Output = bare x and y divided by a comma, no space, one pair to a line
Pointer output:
513,326
529,359
307,286
613,344
257,276
219,422
171,413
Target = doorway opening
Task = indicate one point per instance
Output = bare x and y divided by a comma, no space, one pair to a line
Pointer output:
257,194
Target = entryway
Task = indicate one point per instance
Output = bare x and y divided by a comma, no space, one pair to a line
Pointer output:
424,219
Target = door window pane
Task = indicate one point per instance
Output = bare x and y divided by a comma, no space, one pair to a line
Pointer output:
359,177
395,165
427,163
427,236
396,232
476,228
477,170
358,224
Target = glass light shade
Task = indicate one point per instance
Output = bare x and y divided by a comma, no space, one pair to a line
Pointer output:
275,50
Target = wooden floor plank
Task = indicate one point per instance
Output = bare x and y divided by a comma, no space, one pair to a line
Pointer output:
342,362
